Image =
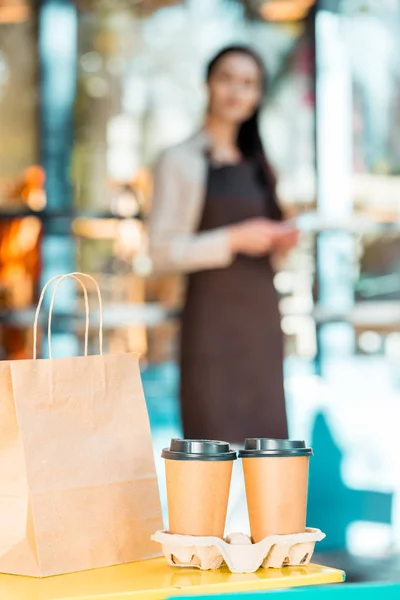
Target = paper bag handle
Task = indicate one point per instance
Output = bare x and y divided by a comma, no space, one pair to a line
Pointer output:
76,275
35,324
59,278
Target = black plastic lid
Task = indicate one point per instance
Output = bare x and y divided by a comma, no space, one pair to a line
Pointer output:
268,447
198,450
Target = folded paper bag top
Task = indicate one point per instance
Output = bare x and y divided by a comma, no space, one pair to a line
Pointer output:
276,481
198,475
204,450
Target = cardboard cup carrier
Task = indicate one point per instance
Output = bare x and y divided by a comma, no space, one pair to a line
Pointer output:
237,551
198,476
276,480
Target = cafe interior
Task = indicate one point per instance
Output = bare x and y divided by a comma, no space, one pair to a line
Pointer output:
91,91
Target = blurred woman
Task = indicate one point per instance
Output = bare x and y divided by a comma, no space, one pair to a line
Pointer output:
216,217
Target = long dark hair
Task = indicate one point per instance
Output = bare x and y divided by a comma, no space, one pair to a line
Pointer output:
249,139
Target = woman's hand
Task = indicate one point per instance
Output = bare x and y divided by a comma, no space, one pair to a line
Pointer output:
286,239
283,245
254,237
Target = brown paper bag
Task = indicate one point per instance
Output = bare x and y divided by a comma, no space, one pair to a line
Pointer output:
78,486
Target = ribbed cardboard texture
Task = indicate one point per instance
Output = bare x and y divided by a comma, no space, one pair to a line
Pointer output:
238,552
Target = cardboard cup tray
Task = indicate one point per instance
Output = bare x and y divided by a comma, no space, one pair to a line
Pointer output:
238,551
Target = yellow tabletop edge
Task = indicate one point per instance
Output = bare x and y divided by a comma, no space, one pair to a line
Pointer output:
329,576
124,583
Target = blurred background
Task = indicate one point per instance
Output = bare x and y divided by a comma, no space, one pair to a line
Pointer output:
92,90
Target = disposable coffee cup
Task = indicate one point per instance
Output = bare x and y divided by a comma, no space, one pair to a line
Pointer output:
198,475
276,481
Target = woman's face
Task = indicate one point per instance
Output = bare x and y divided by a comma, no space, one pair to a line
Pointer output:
235,88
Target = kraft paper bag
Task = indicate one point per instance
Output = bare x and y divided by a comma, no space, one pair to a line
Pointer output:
78,487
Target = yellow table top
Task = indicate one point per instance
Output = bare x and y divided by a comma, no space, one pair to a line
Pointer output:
155,580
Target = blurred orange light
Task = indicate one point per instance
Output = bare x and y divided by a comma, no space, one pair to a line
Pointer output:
36,199
19,259
28,234
34,176
285,10
95,229
14,11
